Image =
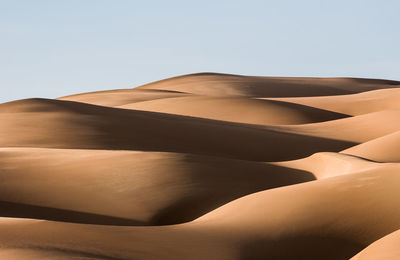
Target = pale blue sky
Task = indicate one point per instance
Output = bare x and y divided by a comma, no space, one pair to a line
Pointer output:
51,48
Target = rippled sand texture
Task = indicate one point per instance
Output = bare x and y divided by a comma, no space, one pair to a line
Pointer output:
204,166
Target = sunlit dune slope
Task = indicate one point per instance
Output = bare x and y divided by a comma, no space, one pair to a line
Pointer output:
324,165
357,129
355,104
382,149
386,248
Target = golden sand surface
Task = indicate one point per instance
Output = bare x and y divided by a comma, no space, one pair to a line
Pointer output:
204,166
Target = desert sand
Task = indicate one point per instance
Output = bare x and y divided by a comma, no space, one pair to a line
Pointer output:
204,166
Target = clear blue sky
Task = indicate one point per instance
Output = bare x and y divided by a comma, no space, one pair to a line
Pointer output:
51,48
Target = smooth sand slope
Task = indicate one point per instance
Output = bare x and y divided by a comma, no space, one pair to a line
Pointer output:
324,165
204,166
316,220
66,124
355,104
121,97
382,149
215,84
128,188
386,248
357,129
236,109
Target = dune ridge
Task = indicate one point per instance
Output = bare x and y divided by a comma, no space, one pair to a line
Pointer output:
68,124
381,149
217,84
204,166
121,97
353,104
241,110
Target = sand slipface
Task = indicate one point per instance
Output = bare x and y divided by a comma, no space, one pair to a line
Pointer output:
204,166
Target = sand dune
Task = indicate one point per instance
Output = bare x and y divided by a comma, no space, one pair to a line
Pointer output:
325,165
357,129
128,187
204,166
355,104
317,215
316,220
383,149
121,96
66,124
386,248
215,84
241,110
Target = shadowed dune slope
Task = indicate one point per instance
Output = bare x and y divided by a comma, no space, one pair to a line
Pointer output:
383,149
315,220
143,187
66,124
121,96
214,84
386,248
355,104
242,110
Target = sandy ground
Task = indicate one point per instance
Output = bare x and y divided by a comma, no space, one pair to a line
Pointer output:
204,166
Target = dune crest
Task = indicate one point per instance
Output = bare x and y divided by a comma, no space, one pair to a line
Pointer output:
324,165
121,97
74,125
234,109
381,149
216,84
353,104
128,187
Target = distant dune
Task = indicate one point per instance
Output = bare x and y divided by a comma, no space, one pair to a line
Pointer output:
204,166
354,104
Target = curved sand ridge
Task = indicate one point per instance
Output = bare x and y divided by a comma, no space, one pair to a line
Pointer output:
382,149
128,187
121,97
238,167
386,248
237,109
324,165
357,129
216,84
355,104
67,124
